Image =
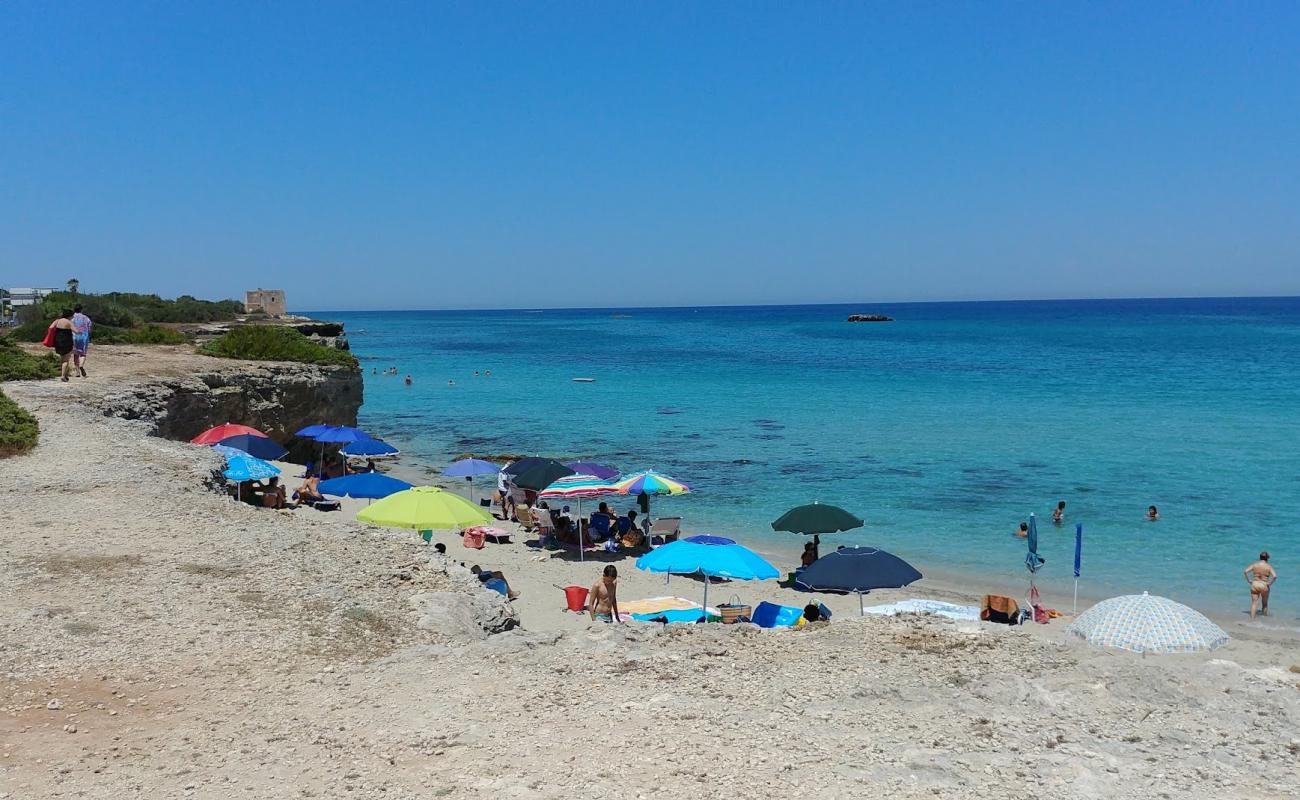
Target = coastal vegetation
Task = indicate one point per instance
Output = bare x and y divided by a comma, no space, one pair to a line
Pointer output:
18,429
275,343
18,365
126,317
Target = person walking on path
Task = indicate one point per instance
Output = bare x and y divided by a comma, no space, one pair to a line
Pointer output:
81,326
61,341
1261,576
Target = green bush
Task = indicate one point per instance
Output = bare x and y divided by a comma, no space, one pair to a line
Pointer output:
275,343
18,429
19,365
106,334
128,309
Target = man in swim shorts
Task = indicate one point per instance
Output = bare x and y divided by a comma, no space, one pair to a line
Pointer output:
602,600
1261,576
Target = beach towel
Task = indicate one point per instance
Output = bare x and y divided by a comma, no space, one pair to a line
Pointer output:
653,604
919,606
677,615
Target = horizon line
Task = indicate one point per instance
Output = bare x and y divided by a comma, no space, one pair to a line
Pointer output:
823,305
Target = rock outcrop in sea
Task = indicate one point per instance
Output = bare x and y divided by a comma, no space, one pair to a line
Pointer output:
870,318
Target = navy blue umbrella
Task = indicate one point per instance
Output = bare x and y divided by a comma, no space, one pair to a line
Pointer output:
857,569
602,471
256,446
524,464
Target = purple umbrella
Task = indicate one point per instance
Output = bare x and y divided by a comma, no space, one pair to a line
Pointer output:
602,471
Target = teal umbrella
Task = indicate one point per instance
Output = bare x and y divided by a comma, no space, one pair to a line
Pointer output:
817,518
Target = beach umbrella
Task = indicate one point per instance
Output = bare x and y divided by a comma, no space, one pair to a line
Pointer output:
1078,563
602,471
373,448
228,452
1033,561
1144,623
247,468
341,434
704,538
258,446
576,487
858,570
541,476
817,518
424,508
470,468
710,560
214,435
651,482
370,485
525,464
311,431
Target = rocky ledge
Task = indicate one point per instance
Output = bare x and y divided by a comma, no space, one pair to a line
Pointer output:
869,318
277,398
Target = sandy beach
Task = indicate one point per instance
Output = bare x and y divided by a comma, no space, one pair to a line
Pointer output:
162,639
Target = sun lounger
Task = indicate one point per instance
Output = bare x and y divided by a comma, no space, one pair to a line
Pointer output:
666,528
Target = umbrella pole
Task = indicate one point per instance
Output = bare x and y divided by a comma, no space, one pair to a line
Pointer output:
1074,609
861,611
705,613
582,549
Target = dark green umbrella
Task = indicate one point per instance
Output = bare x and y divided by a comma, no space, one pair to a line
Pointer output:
816,518
541,476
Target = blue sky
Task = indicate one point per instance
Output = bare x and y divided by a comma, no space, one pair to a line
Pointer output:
422,155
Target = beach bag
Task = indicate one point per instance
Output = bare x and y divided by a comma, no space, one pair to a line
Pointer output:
474,538
733,611
48,341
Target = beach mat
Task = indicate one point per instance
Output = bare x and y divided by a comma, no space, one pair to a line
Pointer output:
917,606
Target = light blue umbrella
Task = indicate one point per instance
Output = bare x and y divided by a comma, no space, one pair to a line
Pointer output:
1144,623
370,485
470,468
244,467
710,560
228,452
368,447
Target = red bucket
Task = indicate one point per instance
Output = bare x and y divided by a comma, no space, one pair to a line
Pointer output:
577,597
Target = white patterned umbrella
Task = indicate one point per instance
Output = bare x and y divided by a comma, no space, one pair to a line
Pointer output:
1144,623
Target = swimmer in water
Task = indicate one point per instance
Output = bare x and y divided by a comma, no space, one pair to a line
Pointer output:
488,373
1059,513
1153,514
475,373
1023,533
451,383
408,380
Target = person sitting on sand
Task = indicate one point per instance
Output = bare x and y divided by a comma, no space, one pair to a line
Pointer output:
273,495
309,492
1059,514
809,556
1023,533
600,524
628,533
602,600
812,613
1153,514
1261,576
485,575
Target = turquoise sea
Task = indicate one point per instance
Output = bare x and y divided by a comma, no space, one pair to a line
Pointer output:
943,429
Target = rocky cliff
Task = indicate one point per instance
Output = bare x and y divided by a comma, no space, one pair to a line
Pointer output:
276,398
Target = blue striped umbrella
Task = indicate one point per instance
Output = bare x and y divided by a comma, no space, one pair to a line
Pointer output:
1144,623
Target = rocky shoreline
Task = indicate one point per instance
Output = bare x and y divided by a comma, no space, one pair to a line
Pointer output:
163,640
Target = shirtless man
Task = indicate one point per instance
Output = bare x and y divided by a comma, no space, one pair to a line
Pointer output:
602,600
1261,576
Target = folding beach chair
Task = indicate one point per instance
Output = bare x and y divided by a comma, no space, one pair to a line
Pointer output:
666,528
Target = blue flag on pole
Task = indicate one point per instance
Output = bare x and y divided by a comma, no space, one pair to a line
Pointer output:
1078,548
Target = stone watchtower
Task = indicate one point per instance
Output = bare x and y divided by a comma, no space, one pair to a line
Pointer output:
268,301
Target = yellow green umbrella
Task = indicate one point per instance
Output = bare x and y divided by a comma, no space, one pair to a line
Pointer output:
424,508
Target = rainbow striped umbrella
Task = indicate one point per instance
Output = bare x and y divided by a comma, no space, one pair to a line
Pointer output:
577,487
651,482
